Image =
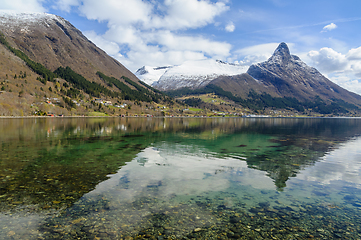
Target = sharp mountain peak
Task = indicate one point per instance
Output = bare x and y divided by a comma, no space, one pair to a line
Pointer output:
281,54
282,49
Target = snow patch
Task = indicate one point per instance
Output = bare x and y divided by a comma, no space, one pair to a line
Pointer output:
150,74
12,19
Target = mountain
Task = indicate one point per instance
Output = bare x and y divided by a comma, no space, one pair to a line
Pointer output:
287,75
149,75
45,59
54,42
284,81
191,74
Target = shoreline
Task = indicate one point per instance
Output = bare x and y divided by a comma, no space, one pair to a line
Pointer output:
250,117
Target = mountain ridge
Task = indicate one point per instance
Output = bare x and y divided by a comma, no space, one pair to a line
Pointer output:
283,74
53,41
192,74
49,66
45,57
284,81
291,77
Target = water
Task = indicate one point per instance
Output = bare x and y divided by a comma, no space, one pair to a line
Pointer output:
181,178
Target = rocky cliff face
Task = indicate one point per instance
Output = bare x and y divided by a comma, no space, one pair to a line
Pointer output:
54,42
290,76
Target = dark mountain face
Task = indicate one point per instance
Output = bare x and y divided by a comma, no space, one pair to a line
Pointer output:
241,85
291,77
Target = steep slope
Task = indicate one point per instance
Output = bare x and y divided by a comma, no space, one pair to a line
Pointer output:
281,82
191,74
241,85
11,87
48,66
54,42
291,77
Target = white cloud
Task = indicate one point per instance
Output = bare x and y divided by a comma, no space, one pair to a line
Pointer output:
343,69
172,41
349,81
329,27
161,48
121,12
354,54
147,32
267,49
65,5
256,53
155,57
230,27
328,60
109,47
172,15
183,14
23,5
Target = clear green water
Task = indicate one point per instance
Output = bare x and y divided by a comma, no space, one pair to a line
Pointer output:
181,178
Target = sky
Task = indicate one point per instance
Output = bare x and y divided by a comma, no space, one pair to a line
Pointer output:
326,34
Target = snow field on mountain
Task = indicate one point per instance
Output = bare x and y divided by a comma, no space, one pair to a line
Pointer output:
194,72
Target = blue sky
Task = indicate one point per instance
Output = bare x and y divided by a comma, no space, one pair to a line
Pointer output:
325,34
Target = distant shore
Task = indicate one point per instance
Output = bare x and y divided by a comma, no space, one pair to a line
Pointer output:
253,116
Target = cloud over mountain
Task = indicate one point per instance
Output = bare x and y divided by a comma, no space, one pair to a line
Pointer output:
151,30
343,69
328,60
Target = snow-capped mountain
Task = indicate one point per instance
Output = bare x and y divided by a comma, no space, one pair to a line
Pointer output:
149,75
290,76
12,20
192,74
282,75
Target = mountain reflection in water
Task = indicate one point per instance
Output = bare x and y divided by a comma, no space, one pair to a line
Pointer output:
178,178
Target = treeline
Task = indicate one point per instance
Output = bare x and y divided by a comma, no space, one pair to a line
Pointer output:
193,102
335,107
156,95
151,88
78,81
35,66
262,101
126,92
140,94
